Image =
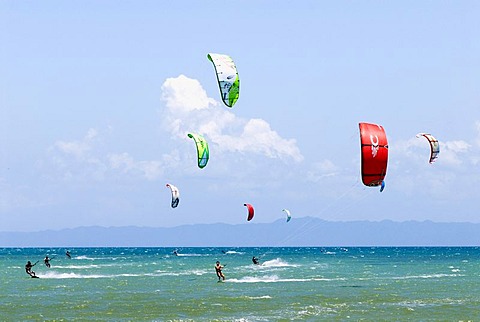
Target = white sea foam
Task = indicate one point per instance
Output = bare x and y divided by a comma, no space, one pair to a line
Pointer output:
258,297
197,272
412,304
426,276
160,273
56,275
229,252
84,257
276,279
78,266
276,263
254,279
129,275
315,311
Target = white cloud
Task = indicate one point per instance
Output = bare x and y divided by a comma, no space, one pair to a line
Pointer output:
83,160
121,161
418,149
409,168
78,148
189,109
325,168
125,163
454,152
183,95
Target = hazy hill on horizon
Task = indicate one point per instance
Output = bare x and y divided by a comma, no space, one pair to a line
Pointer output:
305,231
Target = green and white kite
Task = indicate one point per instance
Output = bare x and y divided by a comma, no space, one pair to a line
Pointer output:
202,149
227,77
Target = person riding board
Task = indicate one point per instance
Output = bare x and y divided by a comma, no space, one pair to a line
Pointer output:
255,260
47,261
67,253
218,270
28,268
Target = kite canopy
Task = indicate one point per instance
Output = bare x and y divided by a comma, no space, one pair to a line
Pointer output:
374,146
202,149
175,195
434,145
227,77
251,211
288,214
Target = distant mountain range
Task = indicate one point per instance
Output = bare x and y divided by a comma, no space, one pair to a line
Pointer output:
298,232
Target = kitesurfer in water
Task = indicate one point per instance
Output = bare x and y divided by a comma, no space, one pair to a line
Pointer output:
218,270
28,269
255,260
47,261
175,252
68,254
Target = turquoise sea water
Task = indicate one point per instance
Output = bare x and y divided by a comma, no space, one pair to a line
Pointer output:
308,284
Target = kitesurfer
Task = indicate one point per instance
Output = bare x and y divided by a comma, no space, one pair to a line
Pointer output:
67,253
47,261
218,270
175,252
28,269
255,260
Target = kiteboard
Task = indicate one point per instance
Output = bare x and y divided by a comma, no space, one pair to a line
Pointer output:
34,276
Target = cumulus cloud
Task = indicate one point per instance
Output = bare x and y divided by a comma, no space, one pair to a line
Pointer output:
125,163
452,153
78,148
322,169
189,109
183,95
83,159
408,166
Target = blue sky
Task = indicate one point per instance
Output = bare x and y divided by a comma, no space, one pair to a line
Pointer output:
96,99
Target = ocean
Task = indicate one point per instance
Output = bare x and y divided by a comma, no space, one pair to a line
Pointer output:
298,283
